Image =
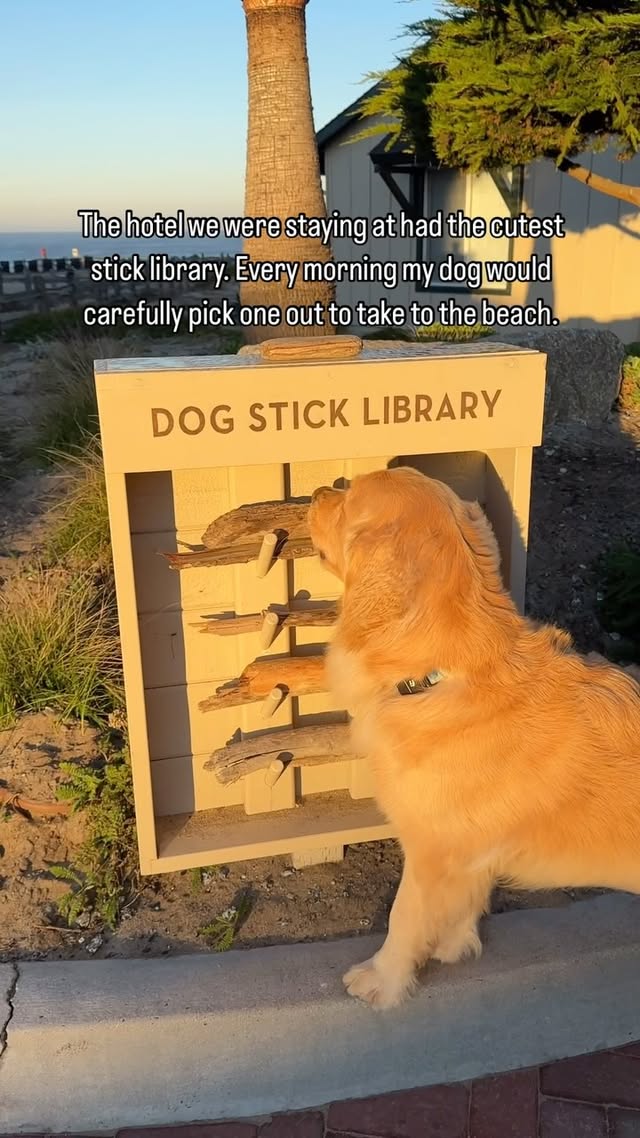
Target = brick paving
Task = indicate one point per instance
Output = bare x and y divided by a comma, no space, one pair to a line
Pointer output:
592,1096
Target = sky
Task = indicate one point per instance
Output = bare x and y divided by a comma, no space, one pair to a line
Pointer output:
141,104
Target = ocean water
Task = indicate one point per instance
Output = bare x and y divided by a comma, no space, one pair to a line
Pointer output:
27,245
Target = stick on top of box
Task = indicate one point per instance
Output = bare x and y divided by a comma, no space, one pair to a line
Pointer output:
237,748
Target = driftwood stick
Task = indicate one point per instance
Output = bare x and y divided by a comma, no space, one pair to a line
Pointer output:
249,524
10,799
291,348
238,536
239,554
296,746
321,617
293,675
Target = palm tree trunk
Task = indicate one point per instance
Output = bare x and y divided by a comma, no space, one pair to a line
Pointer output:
283,170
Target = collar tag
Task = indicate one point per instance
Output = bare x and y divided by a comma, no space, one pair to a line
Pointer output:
414,687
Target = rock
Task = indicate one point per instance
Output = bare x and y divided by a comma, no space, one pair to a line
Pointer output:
584,371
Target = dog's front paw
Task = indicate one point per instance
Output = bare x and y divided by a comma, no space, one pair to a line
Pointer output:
376,986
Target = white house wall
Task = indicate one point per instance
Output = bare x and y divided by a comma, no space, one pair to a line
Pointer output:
596,266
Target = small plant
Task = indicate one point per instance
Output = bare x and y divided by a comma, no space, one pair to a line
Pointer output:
195,879
79,523
452,334
200,876
630,388
221,932
66,385
77,900
620,605
231,342
59,647
105,876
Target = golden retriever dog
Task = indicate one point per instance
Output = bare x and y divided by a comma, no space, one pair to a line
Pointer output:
499,753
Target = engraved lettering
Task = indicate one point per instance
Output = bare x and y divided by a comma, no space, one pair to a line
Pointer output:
446,410
156,424
305,414
259,423
367,418
200,421
491,402
401,408
223,424
278,407
424,404
469,402
335,413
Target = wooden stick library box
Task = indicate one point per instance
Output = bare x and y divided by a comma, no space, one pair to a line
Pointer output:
223,625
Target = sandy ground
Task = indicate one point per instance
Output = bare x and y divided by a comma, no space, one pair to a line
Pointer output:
584,499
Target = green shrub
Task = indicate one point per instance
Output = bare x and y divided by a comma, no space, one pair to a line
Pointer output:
59,646
221,932
630,389
453,335
105,874
65,378
78,526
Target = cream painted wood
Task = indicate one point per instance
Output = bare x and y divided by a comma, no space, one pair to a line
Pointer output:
164,488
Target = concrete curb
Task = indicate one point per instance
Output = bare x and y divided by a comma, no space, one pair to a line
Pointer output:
106,1044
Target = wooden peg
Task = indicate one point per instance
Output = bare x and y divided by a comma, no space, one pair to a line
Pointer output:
272,702
265,556
269,629
273,772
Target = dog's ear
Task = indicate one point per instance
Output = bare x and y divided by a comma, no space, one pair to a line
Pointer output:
375,585
421,575
480,539
405,570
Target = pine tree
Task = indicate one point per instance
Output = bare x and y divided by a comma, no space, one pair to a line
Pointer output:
499,83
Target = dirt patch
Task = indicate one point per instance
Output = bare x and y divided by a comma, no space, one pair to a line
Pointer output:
585,491
30,758
321,902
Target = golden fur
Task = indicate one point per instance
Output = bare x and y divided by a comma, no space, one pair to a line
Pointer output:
522,765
